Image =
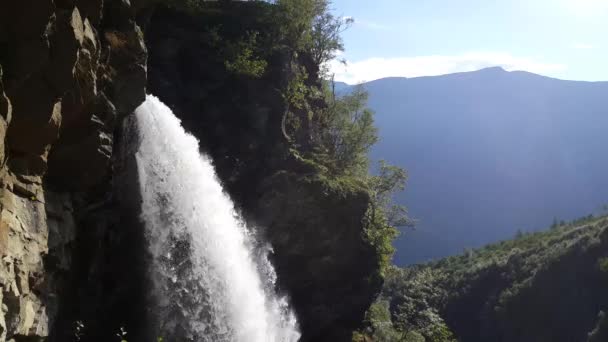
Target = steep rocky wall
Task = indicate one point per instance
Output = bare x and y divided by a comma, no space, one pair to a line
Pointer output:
69,70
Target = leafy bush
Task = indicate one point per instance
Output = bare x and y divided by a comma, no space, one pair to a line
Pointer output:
241,59
380,327
602,263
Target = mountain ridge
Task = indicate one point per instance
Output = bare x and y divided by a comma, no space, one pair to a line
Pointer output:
490,152
498,69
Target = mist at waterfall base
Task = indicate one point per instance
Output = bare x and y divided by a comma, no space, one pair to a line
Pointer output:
211,278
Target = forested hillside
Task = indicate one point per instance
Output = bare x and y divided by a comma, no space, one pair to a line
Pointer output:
544,286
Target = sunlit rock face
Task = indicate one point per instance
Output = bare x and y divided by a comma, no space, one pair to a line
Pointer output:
68,71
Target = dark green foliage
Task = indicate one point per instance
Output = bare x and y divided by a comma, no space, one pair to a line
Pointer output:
345,135
294,18
600,332
517,290
241,58
326,40
383,216
334,134
378,317
309,26
602,263
349,133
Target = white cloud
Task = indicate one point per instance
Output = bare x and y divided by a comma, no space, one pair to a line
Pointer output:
582,46
379,67
372,25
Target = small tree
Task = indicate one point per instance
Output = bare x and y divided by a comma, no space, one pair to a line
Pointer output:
309,26
390,179
295,18
350,132
326,38
383,216
378,320
241,58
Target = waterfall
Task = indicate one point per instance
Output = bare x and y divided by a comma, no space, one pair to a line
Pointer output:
211,279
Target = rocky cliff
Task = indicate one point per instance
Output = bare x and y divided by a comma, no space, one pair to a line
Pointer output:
70,70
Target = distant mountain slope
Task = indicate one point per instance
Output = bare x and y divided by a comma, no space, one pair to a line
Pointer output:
490,152
542,287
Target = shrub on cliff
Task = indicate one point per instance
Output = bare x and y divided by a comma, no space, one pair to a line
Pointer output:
241,58
309,26
331,133
349,133
600,333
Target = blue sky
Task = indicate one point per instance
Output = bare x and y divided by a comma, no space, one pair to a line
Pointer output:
566,39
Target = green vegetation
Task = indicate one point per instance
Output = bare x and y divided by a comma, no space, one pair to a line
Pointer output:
307,26
602,263
383,216
349,133
504,286
241,58
331,133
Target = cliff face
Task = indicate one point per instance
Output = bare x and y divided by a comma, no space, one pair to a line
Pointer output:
69,71
322,259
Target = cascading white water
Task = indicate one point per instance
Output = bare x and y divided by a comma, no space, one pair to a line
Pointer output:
211,278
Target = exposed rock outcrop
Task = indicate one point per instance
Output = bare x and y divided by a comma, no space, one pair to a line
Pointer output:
68,71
